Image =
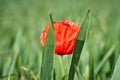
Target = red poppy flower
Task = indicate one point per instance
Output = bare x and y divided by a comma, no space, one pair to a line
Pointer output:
65,34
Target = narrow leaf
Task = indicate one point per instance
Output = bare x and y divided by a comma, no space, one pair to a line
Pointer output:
91,67
78,46
48,56
116,73
108,54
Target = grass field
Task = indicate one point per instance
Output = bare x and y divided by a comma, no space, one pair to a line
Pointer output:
22,22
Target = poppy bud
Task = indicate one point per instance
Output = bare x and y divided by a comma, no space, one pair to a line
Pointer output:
65,34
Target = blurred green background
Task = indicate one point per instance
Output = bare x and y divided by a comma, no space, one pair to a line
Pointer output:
22,22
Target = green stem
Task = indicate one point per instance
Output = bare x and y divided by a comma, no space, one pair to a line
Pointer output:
63,68
63,65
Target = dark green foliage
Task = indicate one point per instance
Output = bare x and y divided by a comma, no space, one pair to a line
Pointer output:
79,46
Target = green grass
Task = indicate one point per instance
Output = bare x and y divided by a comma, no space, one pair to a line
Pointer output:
22,22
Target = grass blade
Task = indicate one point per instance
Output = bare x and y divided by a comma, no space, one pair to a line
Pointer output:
48,56
78,46
91,67
109,53
116,75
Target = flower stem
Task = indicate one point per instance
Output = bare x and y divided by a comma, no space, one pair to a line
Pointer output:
64,73
63,65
